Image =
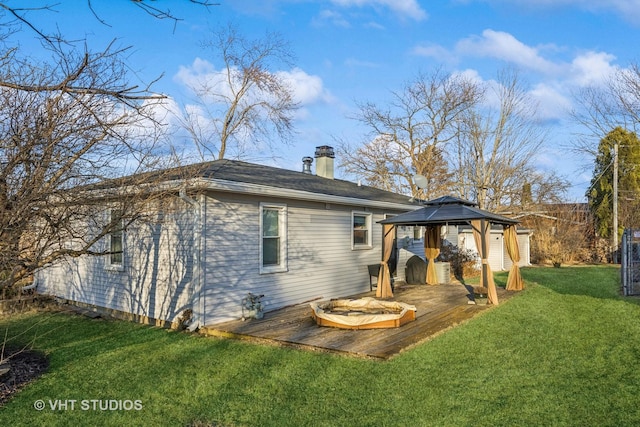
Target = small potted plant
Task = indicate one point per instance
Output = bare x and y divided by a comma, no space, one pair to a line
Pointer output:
480,295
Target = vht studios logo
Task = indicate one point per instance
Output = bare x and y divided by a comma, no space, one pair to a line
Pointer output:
88,405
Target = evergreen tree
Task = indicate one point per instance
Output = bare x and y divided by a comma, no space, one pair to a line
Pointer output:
600,193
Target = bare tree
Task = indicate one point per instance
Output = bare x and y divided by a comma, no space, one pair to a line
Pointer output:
408,136
602,107
563,233
157,12
68,128
247,102
21,14
496,146
64,128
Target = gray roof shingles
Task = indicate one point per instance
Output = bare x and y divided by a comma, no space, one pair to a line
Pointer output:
251,173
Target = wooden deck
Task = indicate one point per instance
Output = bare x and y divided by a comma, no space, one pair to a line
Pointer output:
438,309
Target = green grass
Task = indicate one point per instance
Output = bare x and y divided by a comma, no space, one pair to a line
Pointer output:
561,353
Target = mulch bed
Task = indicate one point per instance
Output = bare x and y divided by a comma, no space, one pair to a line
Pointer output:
26,365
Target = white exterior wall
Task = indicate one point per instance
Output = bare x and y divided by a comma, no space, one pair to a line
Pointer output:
155,280
208,259
498,255
523,245
321,261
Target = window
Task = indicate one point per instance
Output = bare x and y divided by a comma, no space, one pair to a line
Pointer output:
273,242
116,239
361,235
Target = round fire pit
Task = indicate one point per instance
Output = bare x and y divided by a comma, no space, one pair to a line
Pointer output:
364,313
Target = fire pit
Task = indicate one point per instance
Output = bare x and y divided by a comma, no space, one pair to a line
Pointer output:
364,313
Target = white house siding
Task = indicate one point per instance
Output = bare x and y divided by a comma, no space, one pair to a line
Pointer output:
523,245
496,250
156,278
321,262
498,255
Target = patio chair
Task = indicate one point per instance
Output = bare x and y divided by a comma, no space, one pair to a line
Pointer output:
374,271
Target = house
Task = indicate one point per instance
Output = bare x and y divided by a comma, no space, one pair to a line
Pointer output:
235,228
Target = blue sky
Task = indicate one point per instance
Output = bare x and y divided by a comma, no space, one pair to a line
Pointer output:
350,51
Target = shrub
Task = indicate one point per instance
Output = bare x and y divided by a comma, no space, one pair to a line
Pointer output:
464,262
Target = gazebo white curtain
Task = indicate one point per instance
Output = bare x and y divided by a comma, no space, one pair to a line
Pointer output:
481,235
383,289
514,281
431,252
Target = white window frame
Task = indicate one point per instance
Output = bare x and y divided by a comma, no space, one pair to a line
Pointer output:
110,265
369,224
282,266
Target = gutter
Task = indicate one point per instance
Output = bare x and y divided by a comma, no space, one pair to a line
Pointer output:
198,279
227,186
265,190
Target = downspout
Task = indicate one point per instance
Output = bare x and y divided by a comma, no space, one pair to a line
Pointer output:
198,280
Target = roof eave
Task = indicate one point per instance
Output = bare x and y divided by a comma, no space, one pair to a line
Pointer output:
213,184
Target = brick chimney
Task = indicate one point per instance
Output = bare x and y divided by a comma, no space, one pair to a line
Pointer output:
324,161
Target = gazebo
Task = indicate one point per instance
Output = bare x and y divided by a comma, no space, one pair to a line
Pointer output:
449,210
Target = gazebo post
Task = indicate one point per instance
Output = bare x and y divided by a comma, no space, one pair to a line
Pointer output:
383,289
483,255
449,209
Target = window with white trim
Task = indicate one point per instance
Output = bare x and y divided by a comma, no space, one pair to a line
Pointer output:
115,240
361,230
273,240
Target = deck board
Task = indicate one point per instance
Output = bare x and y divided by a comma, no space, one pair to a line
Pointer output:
438,309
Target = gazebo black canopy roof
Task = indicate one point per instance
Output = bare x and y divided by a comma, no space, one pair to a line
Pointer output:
454,211
447,210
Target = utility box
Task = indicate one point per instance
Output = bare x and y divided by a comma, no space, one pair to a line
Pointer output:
443,272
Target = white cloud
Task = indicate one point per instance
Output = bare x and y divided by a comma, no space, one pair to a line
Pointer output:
471,75
201,75
584,69
435,51
408,8
552,80
552,104
307,89
331,17
504,46
374,25
592,68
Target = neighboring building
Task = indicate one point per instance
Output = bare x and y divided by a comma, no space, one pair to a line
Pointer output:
564,230
236,228
498,257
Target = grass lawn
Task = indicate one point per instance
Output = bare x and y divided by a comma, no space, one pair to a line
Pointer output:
561,353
